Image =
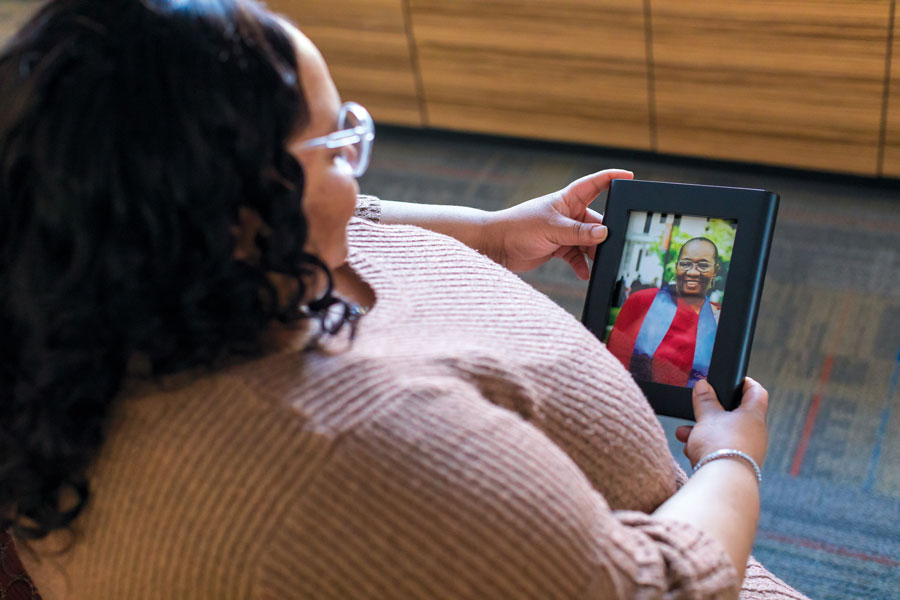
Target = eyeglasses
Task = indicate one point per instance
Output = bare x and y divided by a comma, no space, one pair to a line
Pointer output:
354,137
703,266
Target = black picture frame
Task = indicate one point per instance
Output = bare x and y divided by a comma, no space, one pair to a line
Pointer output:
755,212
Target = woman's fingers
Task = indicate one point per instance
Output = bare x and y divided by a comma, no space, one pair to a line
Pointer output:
587,188
755,398
705,401
592,216
683,432
565,231
578,262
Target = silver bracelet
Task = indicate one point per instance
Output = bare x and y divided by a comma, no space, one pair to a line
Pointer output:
730,453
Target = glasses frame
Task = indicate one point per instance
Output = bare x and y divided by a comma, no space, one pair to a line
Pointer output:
712,265
364,132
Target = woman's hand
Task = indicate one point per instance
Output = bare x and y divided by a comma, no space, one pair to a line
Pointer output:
743,429
560,224
722,498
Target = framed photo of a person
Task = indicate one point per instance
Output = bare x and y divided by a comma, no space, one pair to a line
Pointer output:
675,288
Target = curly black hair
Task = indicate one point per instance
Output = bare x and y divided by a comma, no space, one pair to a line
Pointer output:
132,134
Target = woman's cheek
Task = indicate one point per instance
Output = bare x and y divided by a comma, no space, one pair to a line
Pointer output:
349,189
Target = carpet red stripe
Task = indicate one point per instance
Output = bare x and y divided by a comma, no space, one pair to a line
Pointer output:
839,550
817,398
811,416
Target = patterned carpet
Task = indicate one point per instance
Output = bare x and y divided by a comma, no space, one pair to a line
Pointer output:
827,342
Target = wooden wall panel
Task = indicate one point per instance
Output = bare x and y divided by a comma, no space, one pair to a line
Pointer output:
13,14
788,82
366,46
571,70
891,164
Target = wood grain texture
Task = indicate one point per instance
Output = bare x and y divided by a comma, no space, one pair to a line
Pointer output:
366,46
787,82
891,164
572,70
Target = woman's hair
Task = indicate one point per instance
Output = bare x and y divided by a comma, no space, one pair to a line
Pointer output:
700,239
132,133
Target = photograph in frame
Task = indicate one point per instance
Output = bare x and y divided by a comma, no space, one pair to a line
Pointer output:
668,295
675,288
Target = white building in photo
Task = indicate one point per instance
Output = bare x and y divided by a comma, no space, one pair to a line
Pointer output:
645,229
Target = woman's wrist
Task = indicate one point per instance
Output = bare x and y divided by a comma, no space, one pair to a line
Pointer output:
731,454
466,224
492,236
721,499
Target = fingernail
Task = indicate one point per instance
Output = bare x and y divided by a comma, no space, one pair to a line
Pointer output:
598,232
701,387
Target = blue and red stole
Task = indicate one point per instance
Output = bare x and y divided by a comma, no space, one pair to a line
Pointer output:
655,326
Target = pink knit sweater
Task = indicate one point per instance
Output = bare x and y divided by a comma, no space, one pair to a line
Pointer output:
474,441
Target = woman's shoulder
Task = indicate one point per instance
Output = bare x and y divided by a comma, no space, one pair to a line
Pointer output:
416,266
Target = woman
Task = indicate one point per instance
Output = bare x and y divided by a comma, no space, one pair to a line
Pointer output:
219,384
666,334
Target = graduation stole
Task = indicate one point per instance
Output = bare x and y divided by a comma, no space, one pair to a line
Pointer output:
657,322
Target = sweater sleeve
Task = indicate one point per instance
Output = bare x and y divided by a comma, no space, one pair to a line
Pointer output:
440,494
368,208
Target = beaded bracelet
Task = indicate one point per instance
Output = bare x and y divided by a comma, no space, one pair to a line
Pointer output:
730,453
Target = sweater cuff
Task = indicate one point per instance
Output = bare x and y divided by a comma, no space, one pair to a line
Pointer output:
368,208
681,477
696,564
760,584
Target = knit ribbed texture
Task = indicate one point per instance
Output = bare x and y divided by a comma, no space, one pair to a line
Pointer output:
368,207
474,441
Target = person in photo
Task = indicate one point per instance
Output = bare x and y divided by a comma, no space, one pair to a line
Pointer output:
666,334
